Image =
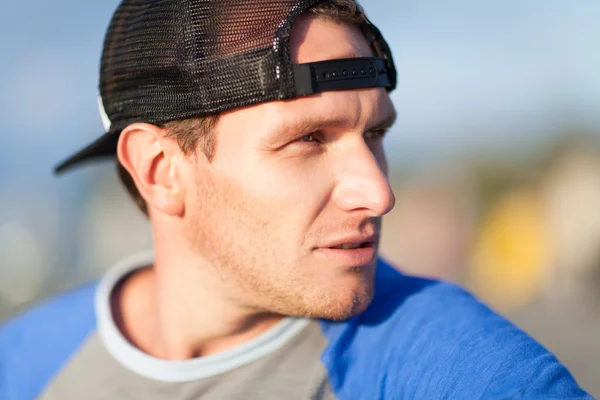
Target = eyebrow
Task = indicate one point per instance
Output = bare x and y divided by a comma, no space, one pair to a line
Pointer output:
386,123
313,123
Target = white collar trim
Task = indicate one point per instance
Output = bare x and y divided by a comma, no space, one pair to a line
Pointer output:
180,371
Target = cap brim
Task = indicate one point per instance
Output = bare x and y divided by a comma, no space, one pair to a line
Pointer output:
103,147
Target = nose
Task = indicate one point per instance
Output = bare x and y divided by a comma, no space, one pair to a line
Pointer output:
362,182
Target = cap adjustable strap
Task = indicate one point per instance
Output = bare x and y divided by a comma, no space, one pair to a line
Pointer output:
346,73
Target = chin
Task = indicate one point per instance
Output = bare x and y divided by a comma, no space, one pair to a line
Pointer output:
331,296
343,304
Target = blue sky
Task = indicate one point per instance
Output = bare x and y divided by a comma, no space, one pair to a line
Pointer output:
473,75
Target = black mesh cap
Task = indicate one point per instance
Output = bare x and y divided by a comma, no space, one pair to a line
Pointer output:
165,60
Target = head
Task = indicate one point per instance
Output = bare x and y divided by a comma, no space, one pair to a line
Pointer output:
268,194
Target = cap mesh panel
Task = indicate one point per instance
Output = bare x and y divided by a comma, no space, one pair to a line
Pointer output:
166,60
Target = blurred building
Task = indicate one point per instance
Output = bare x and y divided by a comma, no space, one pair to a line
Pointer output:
430,230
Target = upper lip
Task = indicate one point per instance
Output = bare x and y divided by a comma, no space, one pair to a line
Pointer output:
355,240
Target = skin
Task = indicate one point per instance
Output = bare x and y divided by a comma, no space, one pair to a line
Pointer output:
244,239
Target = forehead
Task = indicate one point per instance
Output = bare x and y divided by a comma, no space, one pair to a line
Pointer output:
318,39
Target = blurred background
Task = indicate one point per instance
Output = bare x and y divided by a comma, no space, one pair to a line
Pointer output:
495,158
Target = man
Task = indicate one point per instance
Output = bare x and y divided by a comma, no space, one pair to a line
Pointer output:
251,135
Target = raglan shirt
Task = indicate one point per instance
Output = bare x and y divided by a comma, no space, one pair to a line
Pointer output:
419,339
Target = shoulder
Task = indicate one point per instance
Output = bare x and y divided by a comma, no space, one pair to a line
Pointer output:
443,343
36,344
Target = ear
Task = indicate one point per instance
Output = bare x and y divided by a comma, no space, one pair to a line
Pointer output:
151,160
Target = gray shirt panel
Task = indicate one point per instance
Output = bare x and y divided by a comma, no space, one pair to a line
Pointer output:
292,372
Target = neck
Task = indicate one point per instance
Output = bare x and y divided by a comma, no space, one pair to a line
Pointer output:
177,310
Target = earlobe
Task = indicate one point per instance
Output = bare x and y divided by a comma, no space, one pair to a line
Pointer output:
150,159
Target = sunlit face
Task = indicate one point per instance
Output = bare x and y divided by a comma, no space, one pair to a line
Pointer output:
290,183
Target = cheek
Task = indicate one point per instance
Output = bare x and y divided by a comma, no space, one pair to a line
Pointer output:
288,192
258,208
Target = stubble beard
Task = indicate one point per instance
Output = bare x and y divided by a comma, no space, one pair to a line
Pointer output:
246,252
255,278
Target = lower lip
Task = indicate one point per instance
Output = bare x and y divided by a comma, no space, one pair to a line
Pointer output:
352,257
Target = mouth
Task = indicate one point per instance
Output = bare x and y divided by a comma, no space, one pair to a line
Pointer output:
351,252
353,242
352,246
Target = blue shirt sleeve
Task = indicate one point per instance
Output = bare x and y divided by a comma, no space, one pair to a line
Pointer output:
35,345
424,339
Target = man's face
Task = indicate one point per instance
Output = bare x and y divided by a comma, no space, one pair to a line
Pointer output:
292,181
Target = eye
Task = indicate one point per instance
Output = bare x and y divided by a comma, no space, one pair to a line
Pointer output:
375,134
310,138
